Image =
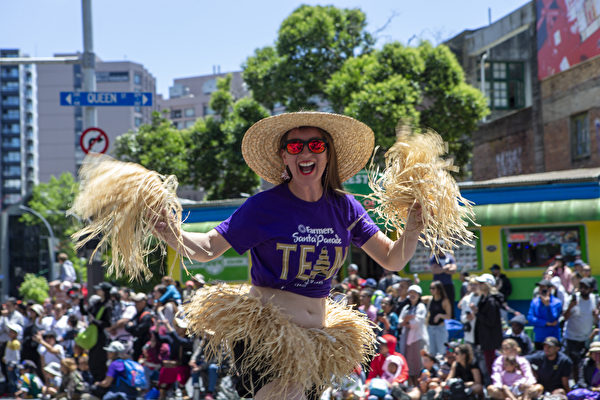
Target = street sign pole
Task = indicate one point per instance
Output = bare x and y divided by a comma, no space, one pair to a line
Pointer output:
88,63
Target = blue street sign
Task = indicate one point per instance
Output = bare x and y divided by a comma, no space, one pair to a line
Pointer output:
95,99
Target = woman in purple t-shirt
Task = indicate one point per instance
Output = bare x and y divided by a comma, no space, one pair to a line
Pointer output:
298,234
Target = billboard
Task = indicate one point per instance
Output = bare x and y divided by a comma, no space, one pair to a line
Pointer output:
568,32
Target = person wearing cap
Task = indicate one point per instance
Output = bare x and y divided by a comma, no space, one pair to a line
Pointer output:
579,323
30,384
115,387
586,272
413,319
517,333
67,271
589,371
544,312
12,356
488,327
298,234
551,367
140,324
443,266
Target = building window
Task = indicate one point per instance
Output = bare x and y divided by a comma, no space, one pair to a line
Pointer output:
175,114
11,199
580,136
11,184
11,114
206,110
190,112
209,86
11,156
189,124
137,78
11,170
11,142
504,85
536,247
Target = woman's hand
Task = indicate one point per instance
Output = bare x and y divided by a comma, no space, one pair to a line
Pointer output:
414,219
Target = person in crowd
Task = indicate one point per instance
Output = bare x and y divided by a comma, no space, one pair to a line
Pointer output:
551,367
589,371
50,351
586,272
467,316
464,285
67,270
443,266
140,324
366,305
401,298
53,376
121,316
517,333
387,319
503,284
560,269
171,292
353,298
204,367
448,360
488,329
413,320
199,281
99,313
29,348
388,279
8,315
115,387
57,322
429,380
353,277
544,312
558,289
68,339
30,385
12,356
527,387
510,383
188,291
387,346
394,375
83,366
177,368
580,315
154,353
439,309
466,369
168,310
72,384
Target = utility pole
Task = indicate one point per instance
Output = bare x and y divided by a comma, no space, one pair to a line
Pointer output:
88,63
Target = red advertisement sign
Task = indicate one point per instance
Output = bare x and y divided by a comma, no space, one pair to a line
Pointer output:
568,32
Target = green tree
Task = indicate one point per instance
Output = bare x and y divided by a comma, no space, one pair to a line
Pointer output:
423,86
52,200
34,288
215,142
158,146
312,44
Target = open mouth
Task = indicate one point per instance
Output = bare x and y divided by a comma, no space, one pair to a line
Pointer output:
307,167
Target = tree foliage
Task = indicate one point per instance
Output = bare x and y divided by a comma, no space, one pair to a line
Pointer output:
312,44
34,288
422,86
157,146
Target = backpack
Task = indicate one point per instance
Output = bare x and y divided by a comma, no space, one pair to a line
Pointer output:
134,376
88,338
456,390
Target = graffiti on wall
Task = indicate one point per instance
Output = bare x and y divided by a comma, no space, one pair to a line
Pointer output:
568,33
509,162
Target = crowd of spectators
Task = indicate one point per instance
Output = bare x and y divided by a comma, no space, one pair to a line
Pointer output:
46,353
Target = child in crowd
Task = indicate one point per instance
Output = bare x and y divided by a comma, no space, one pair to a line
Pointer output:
510,378
12,356
30,385
84,368
429,379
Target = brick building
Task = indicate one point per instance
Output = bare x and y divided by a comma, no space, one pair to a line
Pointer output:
543,88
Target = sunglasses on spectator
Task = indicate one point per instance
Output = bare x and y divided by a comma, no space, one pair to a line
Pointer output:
315,145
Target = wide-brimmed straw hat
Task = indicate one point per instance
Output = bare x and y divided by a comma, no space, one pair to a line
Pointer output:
352,139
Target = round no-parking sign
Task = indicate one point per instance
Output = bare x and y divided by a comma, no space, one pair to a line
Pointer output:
93,140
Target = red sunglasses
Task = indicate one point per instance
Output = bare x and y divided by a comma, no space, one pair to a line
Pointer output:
315,145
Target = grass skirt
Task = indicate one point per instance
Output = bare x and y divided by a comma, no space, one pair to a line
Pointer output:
281,350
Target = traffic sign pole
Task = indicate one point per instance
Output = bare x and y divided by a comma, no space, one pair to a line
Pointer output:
88,63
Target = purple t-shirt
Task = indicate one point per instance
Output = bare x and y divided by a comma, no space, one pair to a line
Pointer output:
296,245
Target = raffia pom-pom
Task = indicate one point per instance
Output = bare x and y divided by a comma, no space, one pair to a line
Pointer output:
122,201
416,173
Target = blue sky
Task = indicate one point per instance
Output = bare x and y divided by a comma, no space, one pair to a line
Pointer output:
180,38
